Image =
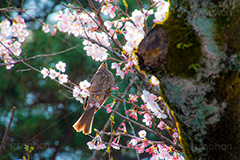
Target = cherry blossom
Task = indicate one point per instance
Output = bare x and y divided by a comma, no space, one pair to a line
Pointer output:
76,91
118,69
96,44
148,97
132,113
46,28
96,143
109,9
162,125
9,61
61,66
177,156
140,148
138,17
110,106
154,81
84,84
124,129
45,72
53,74
133,98
133,142
147,120
162,9
85,93
115,142
63,78
175,135
8,35
153,149
142,133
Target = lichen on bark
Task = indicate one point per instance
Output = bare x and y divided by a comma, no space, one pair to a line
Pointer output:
200,82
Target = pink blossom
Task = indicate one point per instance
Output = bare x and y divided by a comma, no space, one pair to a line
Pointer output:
152,150
114,88
154,81
84,92
53,74
138,17
46,28
133,98
124,129
132,113
140,148
109,107
63,78
76,91
45,72
147,120
177,156
148,97
115,143
162,9
118,24
109,9
162,125
84,84
96,143
142,133
61,66
9,61
133,142
175,135
79,99
108,25
93,50
118,69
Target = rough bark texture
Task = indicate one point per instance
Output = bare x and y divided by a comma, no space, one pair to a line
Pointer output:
195,54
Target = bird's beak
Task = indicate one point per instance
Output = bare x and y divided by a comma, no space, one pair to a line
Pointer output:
104,63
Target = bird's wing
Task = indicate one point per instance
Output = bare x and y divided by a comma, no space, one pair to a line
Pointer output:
92,89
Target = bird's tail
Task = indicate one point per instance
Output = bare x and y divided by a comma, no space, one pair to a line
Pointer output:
84,123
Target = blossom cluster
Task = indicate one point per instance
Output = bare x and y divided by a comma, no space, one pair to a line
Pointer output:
81,23
53,74
150,100
84,24
158,151
12,36
81,91
96,143
97,37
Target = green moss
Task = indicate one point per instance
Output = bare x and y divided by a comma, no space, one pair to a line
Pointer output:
180,59
227,27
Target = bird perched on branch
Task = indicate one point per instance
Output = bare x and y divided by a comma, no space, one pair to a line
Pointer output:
101,84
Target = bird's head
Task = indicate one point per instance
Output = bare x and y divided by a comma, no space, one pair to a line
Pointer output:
104,64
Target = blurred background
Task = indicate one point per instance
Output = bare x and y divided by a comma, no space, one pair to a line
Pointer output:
45,111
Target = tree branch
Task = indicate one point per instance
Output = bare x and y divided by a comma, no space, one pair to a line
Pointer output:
4,140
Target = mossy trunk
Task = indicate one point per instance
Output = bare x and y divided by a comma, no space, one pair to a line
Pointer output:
195,54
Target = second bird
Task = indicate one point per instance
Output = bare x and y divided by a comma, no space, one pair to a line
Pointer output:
101,84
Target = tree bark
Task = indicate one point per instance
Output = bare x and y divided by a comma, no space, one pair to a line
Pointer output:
195,55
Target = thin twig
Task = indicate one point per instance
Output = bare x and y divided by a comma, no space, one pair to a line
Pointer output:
167,141
35,69
4,140
113,114
130,124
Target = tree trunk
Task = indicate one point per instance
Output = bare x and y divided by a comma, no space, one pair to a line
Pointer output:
195,55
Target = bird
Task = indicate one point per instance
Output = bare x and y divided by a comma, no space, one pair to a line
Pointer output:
100,89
